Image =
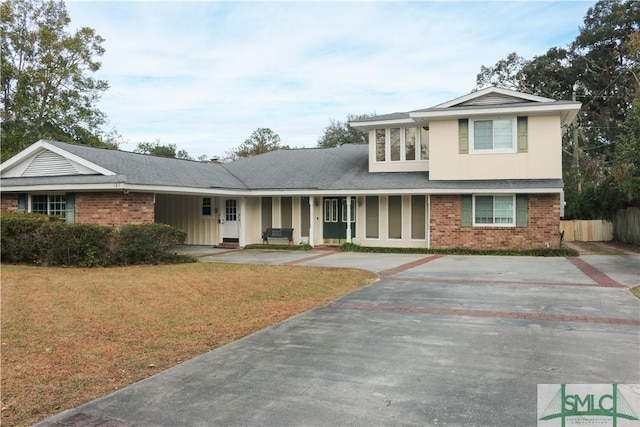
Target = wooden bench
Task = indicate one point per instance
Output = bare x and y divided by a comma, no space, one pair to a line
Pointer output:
277,233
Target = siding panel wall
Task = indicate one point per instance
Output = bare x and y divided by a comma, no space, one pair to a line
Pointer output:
185,213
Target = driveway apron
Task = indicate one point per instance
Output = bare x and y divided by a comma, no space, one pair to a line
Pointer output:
437,341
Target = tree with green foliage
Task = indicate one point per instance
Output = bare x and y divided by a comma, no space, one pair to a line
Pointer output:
47,91
601,68
626,170
338,133
262,140
157,149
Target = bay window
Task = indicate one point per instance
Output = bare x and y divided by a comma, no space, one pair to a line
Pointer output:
401,144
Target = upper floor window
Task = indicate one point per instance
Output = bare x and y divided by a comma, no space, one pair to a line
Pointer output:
400,145
49,205
493,135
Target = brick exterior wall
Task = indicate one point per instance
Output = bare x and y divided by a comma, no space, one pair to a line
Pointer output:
114,209
9,202
543,225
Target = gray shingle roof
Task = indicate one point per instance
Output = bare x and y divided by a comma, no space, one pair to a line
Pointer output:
344,168
347,168
154,170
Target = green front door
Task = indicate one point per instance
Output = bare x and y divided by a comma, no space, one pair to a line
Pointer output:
335,218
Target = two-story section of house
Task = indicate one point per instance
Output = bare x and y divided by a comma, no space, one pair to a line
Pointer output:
494,164
480,171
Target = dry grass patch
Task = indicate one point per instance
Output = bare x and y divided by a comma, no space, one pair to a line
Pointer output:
70,335
598,248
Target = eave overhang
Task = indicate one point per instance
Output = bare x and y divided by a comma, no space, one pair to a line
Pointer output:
567,111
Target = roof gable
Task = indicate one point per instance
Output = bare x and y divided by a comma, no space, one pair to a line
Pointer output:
46,159
491,100
492,96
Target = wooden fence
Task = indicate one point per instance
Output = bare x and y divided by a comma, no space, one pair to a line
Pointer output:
579,230
626,223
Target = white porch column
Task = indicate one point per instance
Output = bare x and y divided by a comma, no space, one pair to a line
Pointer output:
242,241
312,217
349,219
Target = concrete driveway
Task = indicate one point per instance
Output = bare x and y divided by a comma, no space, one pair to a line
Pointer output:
438,341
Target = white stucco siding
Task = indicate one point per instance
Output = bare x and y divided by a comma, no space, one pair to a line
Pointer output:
543,159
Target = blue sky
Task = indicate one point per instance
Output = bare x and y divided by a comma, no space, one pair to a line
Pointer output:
204,75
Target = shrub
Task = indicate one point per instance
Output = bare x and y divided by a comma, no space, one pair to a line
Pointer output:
43,240
84,245
22,237
146,244
562,252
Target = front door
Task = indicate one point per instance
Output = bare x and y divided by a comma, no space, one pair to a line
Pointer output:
335,218
230,221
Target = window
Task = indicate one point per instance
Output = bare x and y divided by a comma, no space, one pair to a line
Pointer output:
344,211
372,217
400,145
231,210
394,148
50,205
494,210
206,206
424,143
495,135
330,210
395,217
381,144
410,143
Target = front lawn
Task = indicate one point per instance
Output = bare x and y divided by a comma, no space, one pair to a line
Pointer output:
70,335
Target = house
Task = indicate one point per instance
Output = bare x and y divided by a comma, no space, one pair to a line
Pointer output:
480,171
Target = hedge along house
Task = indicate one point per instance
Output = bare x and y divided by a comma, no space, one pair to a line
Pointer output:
480,171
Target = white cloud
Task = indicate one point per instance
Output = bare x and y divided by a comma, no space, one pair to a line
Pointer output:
204,75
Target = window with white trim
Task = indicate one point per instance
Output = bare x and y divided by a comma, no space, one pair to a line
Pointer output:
400,144
496,135
352,211
206,206
49,205
494,210
330,210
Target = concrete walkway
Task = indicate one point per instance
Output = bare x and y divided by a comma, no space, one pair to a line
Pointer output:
439,340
